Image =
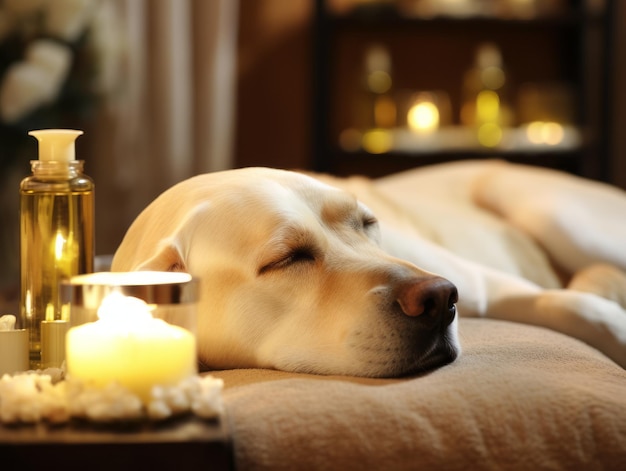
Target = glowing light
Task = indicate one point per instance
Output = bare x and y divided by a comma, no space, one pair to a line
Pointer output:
423,117
377,141
553,133
550,133
487,106
488,115
128,346
489,134
49,315
59,245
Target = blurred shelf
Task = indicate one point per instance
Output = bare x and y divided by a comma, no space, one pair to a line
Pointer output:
523,140
569,44
437,12
378,165
373,23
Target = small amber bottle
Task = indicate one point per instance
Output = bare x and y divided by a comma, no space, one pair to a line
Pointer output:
56,241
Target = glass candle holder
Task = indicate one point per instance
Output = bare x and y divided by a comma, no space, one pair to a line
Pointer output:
134,328
172,296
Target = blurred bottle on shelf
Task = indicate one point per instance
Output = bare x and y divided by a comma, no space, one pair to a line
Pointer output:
374,113
379,87
485,104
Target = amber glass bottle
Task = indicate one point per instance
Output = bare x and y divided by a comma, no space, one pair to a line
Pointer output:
56,241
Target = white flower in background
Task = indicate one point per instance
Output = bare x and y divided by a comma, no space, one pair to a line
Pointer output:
35,81
52,57
37,78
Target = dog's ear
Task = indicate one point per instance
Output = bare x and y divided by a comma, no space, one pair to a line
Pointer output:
158,243
167,258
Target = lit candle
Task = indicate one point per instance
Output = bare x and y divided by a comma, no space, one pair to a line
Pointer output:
423,116
129,346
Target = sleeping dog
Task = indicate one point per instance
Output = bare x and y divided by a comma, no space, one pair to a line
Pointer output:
311,273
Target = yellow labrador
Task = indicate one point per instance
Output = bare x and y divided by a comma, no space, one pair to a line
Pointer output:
299,274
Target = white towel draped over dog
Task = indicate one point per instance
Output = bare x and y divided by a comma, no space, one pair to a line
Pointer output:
519,398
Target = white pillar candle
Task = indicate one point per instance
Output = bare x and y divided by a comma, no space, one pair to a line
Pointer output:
13,346
128,346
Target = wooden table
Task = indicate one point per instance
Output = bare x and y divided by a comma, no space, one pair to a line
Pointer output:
180,444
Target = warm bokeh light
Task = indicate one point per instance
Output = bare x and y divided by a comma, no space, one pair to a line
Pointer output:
379,81
488,118
489,134
59,246
423,117
487,106
493,77
377,141
540,132
384,112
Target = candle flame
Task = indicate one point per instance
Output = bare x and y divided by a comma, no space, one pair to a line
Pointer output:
123,309
423,117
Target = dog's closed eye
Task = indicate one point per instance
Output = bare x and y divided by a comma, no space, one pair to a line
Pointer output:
367,224
368,221
293,257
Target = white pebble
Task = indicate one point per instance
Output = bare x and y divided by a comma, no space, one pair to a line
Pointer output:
36,396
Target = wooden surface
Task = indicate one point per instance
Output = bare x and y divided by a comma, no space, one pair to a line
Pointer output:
183,443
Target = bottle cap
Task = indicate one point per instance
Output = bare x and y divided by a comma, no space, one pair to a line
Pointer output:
56,144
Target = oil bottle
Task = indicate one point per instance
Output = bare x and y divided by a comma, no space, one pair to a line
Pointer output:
486,106
56,241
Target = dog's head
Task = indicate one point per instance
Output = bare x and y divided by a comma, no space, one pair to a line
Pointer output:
293,278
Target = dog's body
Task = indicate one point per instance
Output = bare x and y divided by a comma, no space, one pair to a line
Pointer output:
295,277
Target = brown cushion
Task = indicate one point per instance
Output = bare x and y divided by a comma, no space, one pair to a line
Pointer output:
519,397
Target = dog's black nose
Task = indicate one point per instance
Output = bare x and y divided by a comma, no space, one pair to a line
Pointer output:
432,297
